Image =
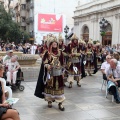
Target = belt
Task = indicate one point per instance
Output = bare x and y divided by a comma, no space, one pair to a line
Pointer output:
75,60
56,72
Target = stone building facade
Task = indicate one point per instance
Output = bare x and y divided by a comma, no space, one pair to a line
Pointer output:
88,16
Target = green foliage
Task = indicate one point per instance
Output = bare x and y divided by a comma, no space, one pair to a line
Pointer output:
103,33
9,30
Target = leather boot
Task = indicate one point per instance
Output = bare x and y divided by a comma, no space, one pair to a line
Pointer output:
70,85
61,107
78,84
49,104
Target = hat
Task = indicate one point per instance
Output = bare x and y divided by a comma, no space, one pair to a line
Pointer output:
90,41
60,38
82,42
74,37
51,39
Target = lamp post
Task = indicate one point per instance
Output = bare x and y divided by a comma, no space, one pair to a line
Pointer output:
103,24
66,30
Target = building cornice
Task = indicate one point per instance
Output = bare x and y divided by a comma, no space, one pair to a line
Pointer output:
99,8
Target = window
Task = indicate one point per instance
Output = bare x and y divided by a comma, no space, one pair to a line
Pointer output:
23,19
23,6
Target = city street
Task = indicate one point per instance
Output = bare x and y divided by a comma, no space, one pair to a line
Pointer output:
85,103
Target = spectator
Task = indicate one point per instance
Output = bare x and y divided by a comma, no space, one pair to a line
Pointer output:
8,56
105,65
113,77
6,112
33,49
13,67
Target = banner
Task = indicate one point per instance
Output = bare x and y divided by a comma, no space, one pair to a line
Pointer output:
50,22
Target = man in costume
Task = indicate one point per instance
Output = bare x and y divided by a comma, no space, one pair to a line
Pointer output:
63,49
50,85
44,48
74,65
99,54
89,67
82,50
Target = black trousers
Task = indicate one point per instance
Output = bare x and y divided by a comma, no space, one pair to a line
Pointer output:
113,90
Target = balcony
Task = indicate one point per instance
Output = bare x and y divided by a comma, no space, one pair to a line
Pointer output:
29,20
28,7
23,1
23,13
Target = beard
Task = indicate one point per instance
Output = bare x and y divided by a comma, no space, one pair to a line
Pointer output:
55,50
74,44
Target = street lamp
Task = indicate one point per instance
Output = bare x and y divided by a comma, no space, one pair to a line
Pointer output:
66,30
103,24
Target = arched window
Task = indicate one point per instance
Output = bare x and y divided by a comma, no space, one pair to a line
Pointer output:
85,33
85,30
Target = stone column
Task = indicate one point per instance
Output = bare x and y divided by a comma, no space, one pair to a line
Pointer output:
115,29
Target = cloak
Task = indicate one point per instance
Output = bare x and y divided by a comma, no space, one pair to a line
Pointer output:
40,83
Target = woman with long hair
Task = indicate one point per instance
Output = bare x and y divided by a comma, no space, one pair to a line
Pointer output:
6,111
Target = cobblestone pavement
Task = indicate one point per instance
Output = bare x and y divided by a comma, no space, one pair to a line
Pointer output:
82,103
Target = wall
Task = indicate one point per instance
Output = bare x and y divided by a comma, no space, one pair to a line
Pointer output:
91,13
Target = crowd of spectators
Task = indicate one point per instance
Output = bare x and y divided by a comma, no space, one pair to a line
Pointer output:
26,48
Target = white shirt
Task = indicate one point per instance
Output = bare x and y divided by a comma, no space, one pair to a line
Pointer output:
33,49
105,65
115,72
11,65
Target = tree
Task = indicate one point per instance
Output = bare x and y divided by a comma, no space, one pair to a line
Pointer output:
9,30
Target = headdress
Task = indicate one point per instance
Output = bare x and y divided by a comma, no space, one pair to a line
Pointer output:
82,42
98,43
60,38
51,39
90,41
74,37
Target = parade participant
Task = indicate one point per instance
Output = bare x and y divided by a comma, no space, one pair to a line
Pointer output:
62,46
99,54
74,65
89,67
63,49
44,47
82,50
52,87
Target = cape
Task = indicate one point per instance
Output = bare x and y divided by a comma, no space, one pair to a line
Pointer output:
40,83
